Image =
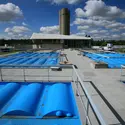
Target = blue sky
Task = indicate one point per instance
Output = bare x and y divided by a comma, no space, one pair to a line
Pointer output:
100,19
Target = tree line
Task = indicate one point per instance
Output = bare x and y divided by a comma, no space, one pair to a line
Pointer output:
12,42
104,42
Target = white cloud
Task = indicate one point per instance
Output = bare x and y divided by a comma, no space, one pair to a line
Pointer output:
97,9
100,23
3,36
17,29
103,28
83,27
79,12
92,22
123,34
115,25
50,29
94,31
62,1
19,36
116,36
103,31
9,12
115,30
17,32
81,34
24,24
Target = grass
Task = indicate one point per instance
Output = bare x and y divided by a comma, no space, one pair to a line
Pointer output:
5,53
121,50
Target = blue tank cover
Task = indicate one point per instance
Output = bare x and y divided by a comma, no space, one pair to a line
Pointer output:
31,59
37,100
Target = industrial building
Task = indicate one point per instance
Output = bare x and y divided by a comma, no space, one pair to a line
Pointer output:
61,41
64,39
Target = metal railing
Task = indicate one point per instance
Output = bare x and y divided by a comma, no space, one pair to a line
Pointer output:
68,74
122,75
36,73
90,104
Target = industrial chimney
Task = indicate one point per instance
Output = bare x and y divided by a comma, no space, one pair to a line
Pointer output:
64,21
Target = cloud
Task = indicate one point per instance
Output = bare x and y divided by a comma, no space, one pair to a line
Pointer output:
117,36
97,9
83,27
79,12
24,24
81,34
18,32
17,29
103,31
116,25
94,31
62,1
20,36
3,36
9,12
123,34
101,27
50,29
92,22
100,23
115,30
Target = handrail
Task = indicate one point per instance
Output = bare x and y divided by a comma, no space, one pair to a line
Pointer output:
36,66
78,81
90,101
45,74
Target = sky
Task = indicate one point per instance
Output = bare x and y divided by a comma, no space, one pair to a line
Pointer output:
101,19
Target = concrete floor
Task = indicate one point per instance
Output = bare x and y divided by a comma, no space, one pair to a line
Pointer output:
106,80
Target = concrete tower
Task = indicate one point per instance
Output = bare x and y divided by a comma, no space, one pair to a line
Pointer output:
64,21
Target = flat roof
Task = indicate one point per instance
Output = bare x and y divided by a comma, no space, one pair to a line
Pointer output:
58,36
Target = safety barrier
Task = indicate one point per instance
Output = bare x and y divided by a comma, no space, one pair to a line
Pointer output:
80,90
67,74
43,73
122,75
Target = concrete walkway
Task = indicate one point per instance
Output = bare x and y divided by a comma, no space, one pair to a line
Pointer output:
106,80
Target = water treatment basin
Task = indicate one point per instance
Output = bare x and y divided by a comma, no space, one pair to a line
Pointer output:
31,59
25,103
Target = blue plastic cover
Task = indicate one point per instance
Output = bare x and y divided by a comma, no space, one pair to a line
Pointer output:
31,59
26,103
115,60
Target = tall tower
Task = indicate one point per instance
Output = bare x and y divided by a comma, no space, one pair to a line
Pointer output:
64,21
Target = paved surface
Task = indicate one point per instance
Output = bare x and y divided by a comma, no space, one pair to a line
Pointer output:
106,80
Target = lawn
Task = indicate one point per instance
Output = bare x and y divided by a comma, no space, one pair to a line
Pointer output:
5,53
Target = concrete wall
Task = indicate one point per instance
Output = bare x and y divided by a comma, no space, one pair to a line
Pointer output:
23,47
64,21
52,46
